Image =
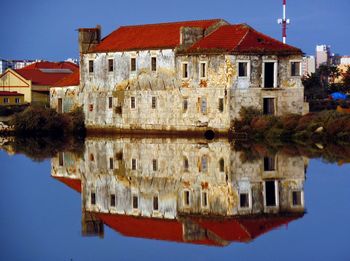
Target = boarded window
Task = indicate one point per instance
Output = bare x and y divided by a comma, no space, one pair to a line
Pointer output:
204,199
110,65
295,68
155,203
155,165
242,69
135,202
132,102
111,163
113,200
269,164
222,165
269,106
270,193
133,164
221,104
133,64
185,105
244,200
186,198
185,70
91,66
110,102
154,102
296,198
60,159
154,64
93,198
203,105
203,70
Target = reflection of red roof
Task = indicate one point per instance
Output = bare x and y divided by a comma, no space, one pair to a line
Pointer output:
149,36
47,73
5,93
72,183
71,80
224,230
241,38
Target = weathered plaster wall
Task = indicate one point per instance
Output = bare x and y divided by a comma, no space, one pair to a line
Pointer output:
69,96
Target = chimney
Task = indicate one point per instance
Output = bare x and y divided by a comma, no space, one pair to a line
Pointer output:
190,35
89,38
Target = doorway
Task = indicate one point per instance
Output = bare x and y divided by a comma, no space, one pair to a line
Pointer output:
269,75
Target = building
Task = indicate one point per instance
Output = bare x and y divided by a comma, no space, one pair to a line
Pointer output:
205,194
308,65
14,64
184,76
11,98
342,67
35,80
323,54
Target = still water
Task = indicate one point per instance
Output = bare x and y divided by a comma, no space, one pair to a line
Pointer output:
173,199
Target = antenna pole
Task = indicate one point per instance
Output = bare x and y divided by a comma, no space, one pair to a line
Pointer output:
284,22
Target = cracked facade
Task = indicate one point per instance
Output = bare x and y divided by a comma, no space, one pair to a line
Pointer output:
184,76
146,187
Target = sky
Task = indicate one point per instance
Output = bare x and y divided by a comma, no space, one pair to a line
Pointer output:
46,29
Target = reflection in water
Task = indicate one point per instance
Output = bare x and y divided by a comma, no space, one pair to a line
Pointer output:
182,190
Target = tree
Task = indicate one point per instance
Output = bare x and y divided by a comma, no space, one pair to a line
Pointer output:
346,79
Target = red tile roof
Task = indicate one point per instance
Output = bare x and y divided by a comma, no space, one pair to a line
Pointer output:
71,80
240,38
74,184
6,93
47,73
149,36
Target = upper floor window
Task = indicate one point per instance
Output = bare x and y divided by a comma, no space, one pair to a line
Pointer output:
185,104
110,65
132,102
203,70
243,69
154,64
133,64
203,105
184,70
91,66
295,68
221,104
154,102
110,102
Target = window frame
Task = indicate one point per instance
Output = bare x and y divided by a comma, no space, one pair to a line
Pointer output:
275,75
205,70
17,100
132,102
154,102
91,66
183,66
291,68
133,65
110,65
153,58
248,69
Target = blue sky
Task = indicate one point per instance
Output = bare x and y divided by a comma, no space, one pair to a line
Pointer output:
45,29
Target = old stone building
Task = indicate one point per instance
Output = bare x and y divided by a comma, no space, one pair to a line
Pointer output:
198,191
184,76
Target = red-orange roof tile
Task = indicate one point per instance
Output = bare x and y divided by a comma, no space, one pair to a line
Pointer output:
52,65
7,93
71,80
149,36
74,184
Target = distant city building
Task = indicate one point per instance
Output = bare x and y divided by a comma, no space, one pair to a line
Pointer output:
14,64
308,65
345,60
4,64
323,54
72,60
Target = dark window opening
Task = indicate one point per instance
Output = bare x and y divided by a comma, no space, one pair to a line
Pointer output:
110,102
222,165
111,163
296,198
270,193
203,71
269,106
244,200
184,70
91,107
60,159
185,105
243,69
92,157
186,165
132,103
269,164
221,104
187,198
112,200
154,64
269,75
91,66
133,64
204,199
110,65
154,102
93,198
60,105
295,68
155,165
135,202
133,164
155,203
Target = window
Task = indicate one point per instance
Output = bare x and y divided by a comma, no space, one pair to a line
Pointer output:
154,102
295,68
59,105
185,70
203,70
222,165
204,163
113,200
110,65
133,164
111,163
154,64
60,159
92,157
204,199
133,64
17,100
244,200
6,100
269,164
93,198
155,203
110,102
155,165
269,106
185,105
91,107
221,104
135,202
132,102
243,69
296,196
91,66
186,198
203,105
270,193
186,165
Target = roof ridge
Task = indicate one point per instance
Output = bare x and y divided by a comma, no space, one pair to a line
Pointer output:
177,22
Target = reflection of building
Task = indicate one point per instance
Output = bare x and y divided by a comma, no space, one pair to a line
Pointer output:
182,190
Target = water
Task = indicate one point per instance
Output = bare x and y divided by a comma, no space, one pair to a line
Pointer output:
212,202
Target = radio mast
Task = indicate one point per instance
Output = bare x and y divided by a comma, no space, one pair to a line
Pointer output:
284,21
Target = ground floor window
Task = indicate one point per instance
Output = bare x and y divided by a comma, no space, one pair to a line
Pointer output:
269,106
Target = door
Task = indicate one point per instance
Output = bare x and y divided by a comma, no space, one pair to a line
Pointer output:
269,75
